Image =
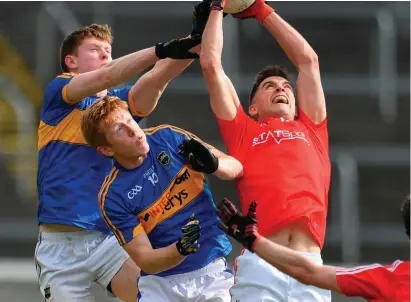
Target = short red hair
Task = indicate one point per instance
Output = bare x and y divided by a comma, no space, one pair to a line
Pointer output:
98,116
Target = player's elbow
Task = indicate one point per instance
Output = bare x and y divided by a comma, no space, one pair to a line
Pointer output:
236,170
313,61
305,277
313,58
210,64
309,61
308,275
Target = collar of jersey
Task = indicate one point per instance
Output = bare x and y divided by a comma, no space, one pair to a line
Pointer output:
69,74
267,120
120,167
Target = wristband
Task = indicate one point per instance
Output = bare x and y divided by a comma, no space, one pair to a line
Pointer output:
264,12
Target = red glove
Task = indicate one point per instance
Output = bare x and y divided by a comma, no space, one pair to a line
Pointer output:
242,228
259,10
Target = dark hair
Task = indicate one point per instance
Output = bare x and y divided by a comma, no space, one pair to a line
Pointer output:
73,40
266,72
405,211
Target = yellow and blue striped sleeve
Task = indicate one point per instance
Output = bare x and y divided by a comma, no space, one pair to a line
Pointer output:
54,95
116,211
125,95
59,121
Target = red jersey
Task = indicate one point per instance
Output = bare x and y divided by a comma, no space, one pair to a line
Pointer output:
377,283
286,170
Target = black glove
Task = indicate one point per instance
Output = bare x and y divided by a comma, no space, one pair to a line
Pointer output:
178,48
201,159
242,228
200,16
190,233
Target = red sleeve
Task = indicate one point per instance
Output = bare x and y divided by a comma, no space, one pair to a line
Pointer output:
369,282
320,130
233,132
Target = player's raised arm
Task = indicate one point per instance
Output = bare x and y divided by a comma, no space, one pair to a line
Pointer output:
123,69
310,93
154,261
149,88
224,99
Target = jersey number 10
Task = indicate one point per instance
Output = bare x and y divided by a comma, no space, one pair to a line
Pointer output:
153,178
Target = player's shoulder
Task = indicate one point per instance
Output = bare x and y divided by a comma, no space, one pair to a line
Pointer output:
404,264
62,78
65,75
164,129
399,266
371,268
164,132
110,185
118,181
167,135
160,135
122,191
58,83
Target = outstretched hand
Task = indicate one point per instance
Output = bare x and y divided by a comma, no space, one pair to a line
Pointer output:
200,158
258,10
242,228
200,16
178,48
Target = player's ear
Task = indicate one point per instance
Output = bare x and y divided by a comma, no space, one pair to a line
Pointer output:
71,62
105,150
252,110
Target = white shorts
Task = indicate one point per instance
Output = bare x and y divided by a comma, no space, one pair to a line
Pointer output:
210,283
256,280
68,263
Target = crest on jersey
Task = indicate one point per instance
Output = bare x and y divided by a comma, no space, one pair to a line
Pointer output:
163,158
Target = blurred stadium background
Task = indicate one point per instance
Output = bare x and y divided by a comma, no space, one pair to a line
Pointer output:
364,51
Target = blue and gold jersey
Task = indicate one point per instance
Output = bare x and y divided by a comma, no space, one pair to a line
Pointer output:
158,198
70,172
